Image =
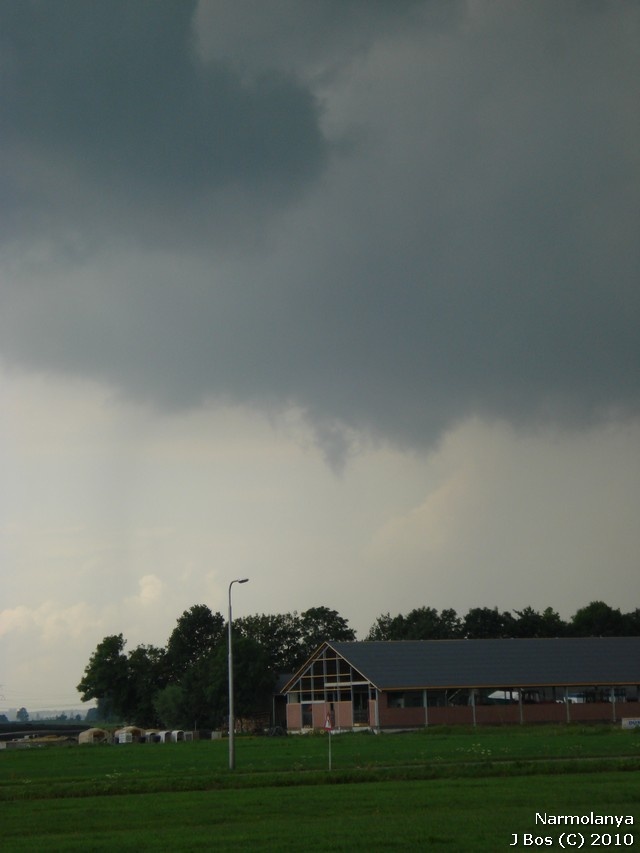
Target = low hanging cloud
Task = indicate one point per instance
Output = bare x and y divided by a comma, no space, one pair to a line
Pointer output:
418,221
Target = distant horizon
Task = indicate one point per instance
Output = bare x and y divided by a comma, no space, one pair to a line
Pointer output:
38,714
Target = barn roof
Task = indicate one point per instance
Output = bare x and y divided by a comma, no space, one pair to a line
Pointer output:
562,662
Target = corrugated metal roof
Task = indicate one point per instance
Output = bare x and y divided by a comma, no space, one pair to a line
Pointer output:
495,663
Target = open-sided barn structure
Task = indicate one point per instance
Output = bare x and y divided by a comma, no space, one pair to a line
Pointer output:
411,684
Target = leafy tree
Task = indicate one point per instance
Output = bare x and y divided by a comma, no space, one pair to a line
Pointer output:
597,619
106,677
146,675
197,633
253,681
487,623
199,706
319,624
279,636
425,623
531,623
22,715
422,623
170,706
553,624
631,623
450,624
383,628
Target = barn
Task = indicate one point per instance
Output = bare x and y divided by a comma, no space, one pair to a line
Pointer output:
412,684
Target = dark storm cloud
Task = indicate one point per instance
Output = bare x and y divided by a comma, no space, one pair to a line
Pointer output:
473,250
107,113
308,37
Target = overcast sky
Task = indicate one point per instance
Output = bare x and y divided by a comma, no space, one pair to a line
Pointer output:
340,295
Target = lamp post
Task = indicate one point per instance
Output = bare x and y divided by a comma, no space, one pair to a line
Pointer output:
232,754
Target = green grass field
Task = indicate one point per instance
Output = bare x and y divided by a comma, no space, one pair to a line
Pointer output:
450,790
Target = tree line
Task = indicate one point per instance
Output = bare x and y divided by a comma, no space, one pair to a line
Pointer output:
184,684
425,623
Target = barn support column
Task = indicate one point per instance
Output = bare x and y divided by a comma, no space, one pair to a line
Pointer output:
566,702
613,703
425,702
473,705
520,707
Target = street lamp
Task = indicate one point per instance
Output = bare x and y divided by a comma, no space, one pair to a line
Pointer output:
232,754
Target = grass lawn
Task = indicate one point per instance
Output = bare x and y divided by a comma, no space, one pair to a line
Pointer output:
462,814
489,785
